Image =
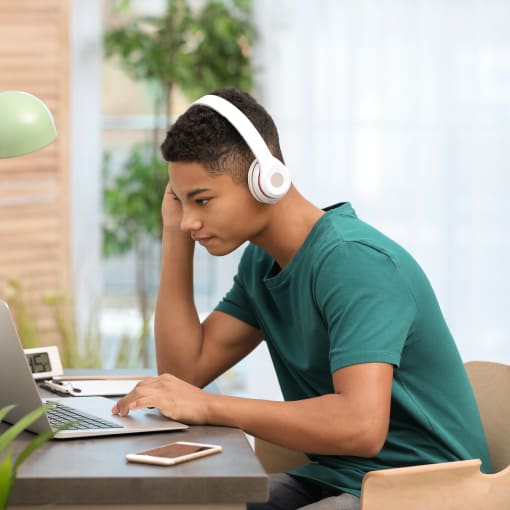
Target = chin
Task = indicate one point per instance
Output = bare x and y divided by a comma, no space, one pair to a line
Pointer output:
219,250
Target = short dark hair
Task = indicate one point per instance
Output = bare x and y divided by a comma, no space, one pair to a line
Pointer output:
202,135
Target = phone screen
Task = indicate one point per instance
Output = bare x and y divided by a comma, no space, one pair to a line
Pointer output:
175,450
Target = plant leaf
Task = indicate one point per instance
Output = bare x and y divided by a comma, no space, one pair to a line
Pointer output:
39,440
12,432
5,410
6,479
8,469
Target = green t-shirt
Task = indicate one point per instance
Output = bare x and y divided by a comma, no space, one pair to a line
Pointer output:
351,295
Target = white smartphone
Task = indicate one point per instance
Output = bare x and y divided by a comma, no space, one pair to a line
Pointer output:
174,453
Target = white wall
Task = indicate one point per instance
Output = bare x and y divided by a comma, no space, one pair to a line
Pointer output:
402,107
85,176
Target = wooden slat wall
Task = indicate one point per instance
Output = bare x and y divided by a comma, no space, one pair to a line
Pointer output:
34,189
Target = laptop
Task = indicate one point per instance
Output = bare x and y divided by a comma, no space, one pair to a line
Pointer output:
17,386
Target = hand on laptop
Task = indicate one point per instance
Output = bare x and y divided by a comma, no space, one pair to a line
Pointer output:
174,398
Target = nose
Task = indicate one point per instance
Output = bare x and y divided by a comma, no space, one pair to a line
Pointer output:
190,222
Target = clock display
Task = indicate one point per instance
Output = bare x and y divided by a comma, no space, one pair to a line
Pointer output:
39,362
44,362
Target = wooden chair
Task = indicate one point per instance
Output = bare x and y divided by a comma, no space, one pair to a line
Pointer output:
445,486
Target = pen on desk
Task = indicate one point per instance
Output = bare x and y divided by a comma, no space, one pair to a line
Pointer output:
67,385
60,387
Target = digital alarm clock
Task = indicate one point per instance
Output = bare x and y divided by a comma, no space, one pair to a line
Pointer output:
44,362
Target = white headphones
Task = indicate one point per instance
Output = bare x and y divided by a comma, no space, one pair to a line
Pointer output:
268,178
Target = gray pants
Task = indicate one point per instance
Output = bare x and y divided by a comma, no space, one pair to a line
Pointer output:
293,493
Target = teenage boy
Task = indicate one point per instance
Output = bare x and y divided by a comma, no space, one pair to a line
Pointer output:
370,374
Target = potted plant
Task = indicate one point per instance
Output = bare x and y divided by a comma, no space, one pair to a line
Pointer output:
8,464
192,47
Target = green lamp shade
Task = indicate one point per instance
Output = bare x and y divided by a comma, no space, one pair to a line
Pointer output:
26,124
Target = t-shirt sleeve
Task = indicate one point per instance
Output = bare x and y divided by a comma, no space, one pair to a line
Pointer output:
236,303
366,304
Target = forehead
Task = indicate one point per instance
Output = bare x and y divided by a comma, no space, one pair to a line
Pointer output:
183,169
186,177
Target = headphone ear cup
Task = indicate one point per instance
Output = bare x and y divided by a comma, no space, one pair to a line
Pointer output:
275,180
254,182
268,178
270,183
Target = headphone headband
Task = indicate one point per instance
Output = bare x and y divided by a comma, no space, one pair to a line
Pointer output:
241,123
268,178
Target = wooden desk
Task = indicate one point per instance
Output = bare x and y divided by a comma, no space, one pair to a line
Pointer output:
78,473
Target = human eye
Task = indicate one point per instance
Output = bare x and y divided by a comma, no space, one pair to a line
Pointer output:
202,201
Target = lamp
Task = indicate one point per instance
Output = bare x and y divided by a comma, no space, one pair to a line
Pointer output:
26,124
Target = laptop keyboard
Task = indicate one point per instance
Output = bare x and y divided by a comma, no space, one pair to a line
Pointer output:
60,414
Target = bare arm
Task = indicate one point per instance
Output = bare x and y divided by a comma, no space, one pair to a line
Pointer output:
352,421
193,351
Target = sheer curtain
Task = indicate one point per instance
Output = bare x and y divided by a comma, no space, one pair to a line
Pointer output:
402,107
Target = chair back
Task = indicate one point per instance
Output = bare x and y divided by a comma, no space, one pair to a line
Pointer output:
446,486
275,459
455,485
491,385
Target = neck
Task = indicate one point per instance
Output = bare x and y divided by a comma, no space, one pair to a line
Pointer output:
289,223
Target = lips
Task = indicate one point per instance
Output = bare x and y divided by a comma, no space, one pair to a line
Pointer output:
203,239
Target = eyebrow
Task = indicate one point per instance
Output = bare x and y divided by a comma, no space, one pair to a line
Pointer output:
192,193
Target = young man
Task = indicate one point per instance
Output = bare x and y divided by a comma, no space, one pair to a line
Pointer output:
369,371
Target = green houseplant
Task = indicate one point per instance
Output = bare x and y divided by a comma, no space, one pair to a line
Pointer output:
193,47
132,221
71,354
8,464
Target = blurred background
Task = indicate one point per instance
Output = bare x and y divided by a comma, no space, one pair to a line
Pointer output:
401,107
